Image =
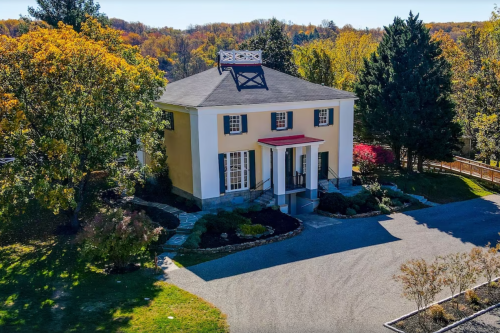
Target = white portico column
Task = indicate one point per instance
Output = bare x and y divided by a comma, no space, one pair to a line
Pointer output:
312,171
279,175
266,167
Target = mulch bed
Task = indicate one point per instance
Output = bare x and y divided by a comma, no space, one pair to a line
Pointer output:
458,311
163,218
281,223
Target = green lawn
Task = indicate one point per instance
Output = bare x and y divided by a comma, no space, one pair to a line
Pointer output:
191,259
46,286
438,187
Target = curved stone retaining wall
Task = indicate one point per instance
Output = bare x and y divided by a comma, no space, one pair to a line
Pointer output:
248,245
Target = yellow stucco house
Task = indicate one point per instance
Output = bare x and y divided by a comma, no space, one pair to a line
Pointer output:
242,130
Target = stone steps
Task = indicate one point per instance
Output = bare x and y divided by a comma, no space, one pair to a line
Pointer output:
175,242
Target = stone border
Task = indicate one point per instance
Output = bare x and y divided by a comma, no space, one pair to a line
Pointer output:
248,245
449,327
369,214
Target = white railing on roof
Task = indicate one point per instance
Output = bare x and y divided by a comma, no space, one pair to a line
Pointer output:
235,57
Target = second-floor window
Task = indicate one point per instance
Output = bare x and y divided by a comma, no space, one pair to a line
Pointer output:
323,117
169,120
235,124
281,120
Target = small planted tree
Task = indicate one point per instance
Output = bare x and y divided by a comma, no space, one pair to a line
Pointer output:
459,272
487,261
115,236
421,283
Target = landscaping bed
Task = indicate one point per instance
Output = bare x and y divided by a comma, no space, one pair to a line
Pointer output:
373,200
228,228
450,313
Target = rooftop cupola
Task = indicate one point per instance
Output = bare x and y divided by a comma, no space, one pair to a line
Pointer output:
239,58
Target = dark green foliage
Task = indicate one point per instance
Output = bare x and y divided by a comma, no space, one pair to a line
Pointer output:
71,12
252,229
334,203
404,94
384,209
225,221
276,48
396,203
350,212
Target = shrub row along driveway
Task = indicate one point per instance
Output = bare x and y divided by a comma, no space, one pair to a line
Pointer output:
337,277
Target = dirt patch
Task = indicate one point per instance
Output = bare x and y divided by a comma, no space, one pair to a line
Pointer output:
457,309
281,223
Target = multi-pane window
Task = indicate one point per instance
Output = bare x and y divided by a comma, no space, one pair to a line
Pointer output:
281,120
236,170
323,117
169,120
235,124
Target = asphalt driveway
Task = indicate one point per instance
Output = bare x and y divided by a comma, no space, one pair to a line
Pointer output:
336,275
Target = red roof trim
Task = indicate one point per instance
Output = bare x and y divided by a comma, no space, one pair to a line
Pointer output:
289,140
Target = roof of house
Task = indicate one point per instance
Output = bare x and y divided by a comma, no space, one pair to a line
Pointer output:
244,86
289,140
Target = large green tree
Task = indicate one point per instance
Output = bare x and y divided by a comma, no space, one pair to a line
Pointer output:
70,12
276,48
71,104
404,92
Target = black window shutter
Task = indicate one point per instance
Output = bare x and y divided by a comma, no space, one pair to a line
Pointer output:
251,159
330,116
227,129
273,121
172,121
316,117
244,124
222,177
289,118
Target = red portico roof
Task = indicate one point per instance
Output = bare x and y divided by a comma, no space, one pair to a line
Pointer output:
289,140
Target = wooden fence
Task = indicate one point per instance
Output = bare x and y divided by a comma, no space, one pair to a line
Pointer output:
466,167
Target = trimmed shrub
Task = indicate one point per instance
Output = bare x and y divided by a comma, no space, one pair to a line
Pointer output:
255,208
334,203
115,236
386,201
384,209
438,314
253,229
193,241
240,210
396,203
350,212
225,221
472,297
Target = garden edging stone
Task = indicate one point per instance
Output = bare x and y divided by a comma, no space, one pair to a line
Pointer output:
451,326
369,214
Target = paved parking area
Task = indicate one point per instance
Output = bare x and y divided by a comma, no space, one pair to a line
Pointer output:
337,277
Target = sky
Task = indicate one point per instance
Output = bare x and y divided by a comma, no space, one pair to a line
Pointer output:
359,13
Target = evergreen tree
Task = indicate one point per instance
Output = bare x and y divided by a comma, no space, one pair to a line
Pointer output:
276,48
404,95
70,12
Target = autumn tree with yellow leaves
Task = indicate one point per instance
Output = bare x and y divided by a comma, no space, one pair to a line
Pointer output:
70,104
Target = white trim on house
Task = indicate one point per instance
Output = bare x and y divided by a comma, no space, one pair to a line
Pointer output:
345,142
208,156
317,143
244,169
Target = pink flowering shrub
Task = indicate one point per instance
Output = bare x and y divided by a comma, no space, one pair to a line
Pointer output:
368,157
115,236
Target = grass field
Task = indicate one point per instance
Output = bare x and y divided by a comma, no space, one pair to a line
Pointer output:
438,187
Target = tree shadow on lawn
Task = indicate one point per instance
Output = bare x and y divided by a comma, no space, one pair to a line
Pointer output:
312,243
46,287
474,221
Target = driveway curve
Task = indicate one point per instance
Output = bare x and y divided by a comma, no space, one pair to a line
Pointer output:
337,275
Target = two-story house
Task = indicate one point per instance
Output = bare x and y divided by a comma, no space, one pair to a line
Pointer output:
241,128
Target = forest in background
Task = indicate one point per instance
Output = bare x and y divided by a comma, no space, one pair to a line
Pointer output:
182,53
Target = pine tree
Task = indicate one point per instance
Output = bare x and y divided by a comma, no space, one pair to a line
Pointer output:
276,48
404,93
70,12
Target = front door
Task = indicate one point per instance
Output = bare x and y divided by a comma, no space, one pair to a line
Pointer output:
288,167
323,165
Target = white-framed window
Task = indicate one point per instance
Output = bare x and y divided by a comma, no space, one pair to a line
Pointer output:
323,117
281,123
234,124
236,171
